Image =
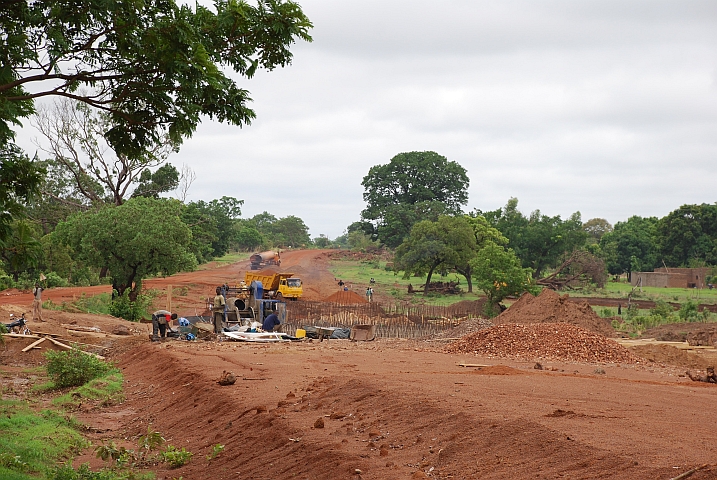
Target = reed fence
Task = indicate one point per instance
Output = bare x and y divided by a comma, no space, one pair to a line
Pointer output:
391,320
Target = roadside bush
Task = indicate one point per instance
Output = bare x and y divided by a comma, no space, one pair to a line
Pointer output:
54,280
5,281
176,458
688,312
72,368
123,307
663,309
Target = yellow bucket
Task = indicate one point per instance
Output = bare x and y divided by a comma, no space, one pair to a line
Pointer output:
300,333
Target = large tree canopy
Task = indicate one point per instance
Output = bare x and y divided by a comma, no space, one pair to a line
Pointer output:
484,235
688,234
142,237
630,246
538,240
20,179
155,66
413,186
436,247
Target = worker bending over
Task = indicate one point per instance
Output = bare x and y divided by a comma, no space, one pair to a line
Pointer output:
160,322
271,323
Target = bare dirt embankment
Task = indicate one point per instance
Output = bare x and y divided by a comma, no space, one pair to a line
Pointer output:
396,408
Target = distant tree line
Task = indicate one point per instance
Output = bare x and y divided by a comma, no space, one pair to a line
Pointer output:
414,204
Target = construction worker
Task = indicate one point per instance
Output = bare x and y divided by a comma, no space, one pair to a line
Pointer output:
218,310
160,322
271,323
37,303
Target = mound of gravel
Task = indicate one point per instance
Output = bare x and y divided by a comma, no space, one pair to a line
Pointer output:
345,298
546,341
550,307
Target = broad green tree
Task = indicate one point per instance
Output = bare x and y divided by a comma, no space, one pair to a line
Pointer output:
142,237
596,228
213,226
484,234
498,273
630,246
156,66
248,237
538,240
435,247
413,186
688,235
291,231
22,250
162,180
20,179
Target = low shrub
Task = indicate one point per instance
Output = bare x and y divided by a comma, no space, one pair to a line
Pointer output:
123,307
176,458
688,312
72,368
54,280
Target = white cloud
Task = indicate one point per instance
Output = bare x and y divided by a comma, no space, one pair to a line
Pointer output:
606,107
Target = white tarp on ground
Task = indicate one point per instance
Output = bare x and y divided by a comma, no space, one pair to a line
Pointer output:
259,337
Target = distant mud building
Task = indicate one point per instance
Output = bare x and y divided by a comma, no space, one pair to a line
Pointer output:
671,277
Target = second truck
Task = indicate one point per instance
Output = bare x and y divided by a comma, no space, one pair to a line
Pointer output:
277,285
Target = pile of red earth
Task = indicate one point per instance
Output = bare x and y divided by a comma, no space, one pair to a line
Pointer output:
550,307
345,298
545,341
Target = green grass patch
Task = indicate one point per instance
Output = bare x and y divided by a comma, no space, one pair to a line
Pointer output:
86,304
359,273
32,443
231,257
680,295
73,368
107,390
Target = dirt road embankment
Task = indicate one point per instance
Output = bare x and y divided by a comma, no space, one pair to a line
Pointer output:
388,409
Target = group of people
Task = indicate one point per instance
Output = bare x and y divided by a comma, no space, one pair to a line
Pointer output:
271,322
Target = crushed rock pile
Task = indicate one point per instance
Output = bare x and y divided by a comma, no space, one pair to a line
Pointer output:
550,307
547,341
467,326
345,298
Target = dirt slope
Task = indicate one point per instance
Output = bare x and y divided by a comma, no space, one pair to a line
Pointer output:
395,412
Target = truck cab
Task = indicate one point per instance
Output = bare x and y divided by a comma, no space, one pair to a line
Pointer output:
290,288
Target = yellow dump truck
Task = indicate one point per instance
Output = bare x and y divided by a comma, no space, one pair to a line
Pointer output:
277,285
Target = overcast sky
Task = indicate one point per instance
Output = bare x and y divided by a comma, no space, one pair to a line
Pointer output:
604,107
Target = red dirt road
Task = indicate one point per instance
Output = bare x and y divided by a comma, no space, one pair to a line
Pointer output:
193,288
391,409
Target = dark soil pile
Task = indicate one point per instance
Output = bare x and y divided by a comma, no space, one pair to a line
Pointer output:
345,298
550,307
550,341
672,356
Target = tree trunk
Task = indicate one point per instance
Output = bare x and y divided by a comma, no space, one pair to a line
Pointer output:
134,292
103,272
428,281
466,272
118,289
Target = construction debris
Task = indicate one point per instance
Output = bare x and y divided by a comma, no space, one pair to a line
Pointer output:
551,341
227,378
709,378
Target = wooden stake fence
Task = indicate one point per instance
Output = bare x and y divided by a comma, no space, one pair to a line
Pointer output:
392,320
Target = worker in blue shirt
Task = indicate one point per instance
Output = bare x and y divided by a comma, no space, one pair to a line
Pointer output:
271,323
